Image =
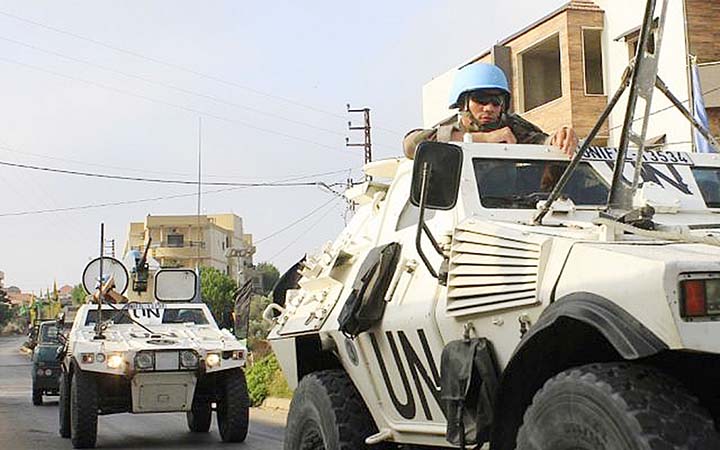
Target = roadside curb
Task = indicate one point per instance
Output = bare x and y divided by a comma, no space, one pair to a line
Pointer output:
276,403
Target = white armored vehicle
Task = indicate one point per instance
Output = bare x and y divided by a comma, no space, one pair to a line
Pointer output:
501,294
164,356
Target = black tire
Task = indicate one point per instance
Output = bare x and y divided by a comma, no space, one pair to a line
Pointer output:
83,410
327,413
233,407
199,417
64,406
615,406
37,397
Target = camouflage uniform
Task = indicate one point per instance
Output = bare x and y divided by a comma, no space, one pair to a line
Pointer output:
524,131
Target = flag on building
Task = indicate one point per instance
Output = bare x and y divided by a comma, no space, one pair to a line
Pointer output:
701,144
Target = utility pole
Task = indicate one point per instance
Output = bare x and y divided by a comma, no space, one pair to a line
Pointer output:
366,128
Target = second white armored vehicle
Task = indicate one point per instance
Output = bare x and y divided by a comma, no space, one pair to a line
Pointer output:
164,356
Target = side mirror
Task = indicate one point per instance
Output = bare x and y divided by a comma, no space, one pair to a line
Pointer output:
444,165
175,285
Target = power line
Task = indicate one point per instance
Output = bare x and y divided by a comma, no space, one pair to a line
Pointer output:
170,86
300,236
172,105
106,204
169,181
709,91
182,68
271,235
75,161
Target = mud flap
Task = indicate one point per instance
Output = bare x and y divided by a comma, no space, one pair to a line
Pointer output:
468,384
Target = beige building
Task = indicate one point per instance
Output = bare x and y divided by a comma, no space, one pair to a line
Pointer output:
563,68
217,241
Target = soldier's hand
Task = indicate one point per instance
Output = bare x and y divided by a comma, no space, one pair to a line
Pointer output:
500,136
565,139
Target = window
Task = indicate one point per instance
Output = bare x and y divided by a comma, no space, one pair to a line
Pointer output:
541,73
592,57
175,240
513,184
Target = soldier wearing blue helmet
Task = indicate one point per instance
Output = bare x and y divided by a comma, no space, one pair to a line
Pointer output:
481,94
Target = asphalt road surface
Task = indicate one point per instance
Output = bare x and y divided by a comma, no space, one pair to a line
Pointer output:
27,427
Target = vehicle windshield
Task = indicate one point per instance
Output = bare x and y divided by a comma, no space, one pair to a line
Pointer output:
150,317
708,180
49,333
520,184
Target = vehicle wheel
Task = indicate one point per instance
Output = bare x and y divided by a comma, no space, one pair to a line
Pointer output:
37,397
233,407
615,406
199,417
64,406
327,413
83,410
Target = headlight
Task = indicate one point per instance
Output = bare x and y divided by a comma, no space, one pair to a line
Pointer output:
40,372
48,372
100,357
114,361
144,361
189,359
212,359
87,358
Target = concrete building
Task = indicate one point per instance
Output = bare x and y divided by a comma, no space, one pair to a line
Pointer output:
563,67
217,241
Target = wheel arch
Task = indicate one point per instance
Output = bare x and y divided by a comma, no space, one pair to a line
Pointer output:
577,329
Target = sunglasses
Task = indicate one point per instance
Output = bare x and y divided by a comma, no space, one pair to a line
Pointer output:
484,98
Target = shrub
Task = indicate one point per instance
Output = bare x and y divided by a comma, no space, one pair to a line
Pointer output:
259,377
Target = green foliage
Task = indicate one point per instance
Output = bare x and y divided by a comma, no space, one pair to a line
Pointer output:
258,327
278,386
7,313
217,291
78,294
259,377
269,274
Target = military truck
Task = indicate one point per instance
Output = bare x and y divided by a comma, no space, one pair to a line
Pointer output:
45,362
503,294
165,356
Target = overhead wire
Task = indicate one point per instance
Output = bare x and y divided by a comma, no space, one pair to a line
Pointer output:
163,172
287,227
183,68
177,106
302,234
172,87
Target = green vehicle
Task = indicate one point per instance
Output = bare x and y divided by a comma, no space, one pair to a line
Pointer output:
45,363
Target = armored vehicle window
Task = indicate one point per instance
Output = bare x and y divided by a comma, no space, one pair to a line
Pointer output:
185,315
516,184
49,333
708,180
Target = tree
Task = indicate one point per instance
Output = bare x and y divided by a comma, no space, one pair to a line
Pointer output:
259,328
217,290
78,294
269,274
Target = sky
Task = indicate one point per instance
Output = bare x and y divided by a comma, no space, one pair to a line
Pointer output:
136,88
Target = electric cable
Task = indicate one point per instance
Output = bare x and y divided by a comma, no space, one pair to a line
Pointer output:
170,181
172,87
302,234
183,68
175,105
273,234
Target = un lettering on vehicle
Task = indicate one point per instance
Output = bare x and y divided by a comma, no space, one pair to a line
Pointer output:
418,373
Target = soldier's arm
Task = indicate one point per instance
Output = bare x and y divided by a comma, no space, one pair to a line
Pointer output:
414,137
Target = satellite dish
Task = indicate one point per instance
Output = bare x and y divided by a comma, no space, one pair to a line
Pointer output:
111,267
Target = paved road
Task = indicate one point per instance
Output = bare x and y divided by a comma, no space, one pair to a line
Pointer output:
27,427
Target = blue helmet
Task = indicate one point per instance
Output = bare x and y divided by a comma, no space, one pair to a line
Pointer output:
477,76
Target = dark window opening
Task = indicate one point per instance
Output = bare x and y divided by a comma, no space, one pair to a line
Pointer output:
592,55
175,240
541,73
